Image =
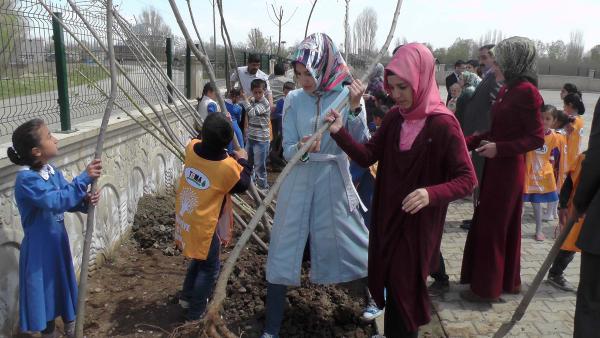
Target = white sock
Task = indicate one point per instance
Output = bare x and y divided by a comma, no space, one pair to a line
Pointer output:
537,214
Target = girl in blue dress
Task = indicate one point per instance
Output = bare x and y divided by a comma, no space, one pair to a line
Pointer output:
47,284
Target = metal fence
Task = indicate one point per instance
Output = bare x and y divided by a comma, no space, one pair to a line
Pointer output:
30,72
45,73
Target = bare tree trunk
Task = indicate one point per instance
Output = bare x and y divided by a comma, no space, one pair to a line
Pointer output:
309,16
347,32
214,34
228,45
85,260
195,28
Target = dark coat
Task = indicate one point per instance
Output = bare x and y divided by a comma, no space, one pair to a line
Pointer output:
476,114
587,195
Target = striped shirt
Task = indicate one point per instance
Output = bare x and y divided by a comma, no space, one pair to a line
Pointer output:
259,118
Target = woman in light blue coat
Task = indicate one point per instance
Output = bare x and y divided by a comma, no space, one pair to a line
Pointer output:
317,202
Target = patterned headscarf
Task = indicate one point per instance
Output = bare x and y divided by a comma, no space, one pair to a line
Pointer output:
324,62
470,79
516,57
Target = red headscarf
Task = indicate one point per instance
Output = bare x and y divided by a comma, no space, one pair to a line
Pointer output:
415,64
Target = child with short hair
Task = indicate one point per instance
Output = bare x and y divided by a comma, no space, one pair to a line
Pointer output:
258,112
235,111
574,108
540,184
47,283
209,175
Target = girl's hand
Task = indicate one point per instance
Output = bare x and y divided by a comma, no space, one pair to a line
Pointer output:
314,148
93,199
488,150
415,201
94,169
357,90
335,117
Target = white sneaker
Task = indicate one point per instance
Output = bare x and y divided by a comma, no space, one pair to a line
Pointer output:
371,312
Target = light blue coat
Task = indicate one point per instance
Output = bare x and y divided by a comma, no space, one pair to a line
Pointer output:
314,200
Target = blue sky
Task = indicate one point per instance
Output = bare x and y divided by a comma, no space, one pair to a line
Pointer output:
438,22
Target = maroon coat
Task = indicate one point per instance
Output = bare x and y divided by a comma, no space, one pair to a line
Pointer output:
491,261
402,246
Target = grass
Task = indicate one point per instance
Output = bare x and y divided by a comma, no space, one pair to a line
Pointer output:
39,83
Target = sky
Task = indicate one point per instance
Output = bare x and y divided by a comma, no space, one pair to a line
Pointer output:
438,22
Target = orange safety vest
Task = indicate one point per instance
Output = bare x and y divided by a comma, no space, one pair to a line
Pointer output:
573,235
574,140
539,177
200,193
563,165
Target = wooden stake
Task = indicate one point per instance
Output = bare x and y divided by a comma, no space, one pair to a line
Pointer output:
85,260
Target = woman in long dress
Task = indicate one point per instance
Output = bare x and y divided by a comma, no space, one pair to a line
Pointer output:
317,203
423,165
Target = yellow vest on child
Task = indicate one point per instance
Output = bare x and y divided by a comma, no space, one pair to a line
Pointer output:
539,177
200,193
575,172
574,140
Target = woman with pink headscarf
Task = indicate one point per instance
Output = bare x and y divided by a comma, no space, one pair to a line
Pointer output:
423,166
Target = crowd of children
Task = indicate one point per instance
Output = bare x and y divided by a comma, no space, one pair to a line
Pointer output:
552,175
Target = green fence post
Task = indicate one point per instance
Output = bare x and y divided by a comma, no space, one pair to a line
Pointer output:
61,74
188,72
169,52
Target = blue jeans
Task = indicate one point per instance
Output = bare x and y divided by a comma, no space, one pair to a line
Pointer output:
257,157
200,279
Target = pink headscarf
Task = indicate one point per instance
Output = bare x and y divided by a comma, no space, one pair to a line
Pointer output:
415,64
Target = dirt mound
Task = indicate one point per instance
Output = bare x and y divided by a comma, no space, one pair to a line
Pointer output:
154,223
312,311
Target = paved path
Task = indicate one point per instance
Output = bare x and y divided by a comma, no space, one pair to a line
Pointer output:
551,311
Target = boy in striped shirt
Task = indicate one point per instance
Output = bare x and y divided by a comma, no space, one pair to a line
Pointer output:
258,111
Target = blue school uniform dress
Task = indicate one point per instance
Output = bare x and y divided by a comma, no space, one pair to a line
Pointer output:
47,284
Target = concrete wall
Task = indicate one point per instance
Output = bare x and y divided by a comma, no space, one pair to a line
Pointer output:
585,84
135,164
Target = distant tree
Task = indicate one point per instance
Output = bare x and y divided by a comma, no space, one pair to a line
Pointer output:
257,41
11,33
557,50
461,49
150,22
152,30
365,29
541,48
595,54
279,21
441,54
575,47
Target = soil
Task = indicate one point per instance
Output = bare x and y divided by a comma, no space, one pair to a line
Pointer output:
134,294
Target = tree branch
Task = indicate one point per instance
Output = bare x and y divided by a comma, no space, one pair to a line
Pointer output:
309,16
87,243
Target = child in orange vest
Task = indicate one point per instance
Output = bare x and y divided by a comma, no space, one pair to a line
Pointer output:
568,249
574,108
209,175
540,184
